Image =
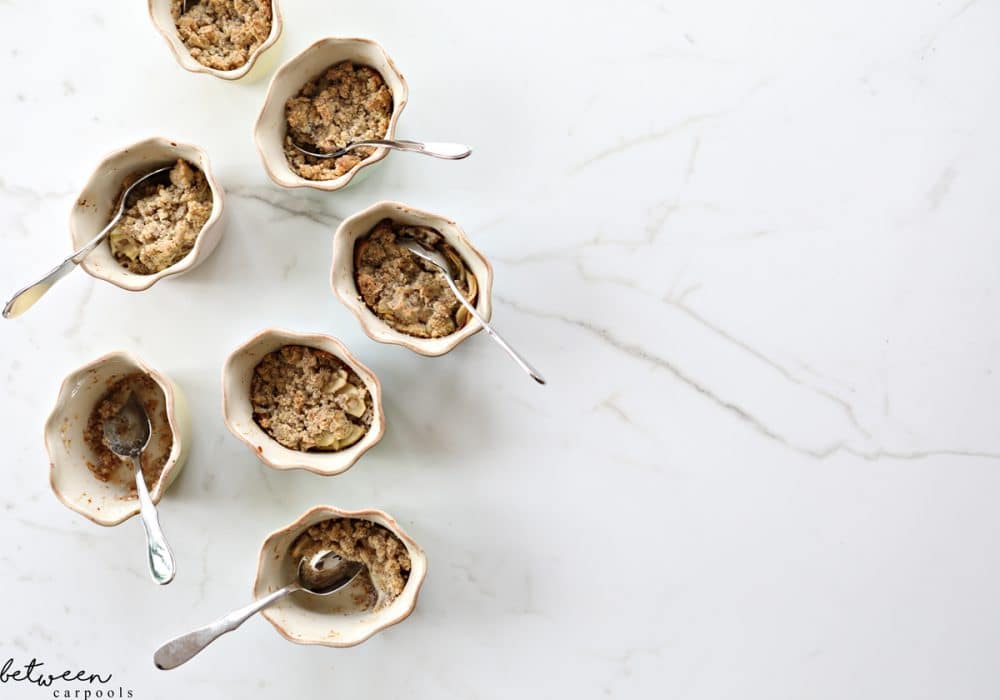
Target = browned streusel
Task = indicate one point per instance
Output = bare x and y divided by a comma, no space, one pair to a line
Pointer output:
161,221
410,294
307,399
344,104
154,457
386,560
222,34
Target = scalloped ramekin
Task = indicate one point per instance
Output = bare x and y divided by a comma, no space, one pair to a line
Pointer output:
256,67
106,503
94,208
237,375
269,131
303,624
344,286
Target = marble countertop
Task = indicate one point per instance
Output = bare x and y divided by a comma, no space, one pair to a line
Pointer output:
754,248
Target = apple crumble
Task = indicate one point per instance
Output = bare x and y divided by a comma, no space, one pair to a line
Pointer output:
411,295
161,220
346,103
386,561
107,464
307,399
222,34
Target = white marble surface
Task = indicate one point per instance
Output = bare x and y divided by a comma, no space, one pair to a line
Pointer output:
753,245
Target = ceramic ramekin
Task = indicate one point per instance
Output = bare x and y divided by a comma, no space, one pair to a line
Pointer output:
111,502
95,207
257,66
237,375
329,621
344,286
269,132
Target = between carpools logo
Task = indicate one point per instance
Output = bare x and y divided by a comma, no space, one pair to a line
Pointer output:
81,685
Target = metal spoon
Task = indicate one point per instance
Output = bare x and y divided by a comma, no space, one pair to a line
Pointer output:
127,434
25,298
323,574
438,149
438,259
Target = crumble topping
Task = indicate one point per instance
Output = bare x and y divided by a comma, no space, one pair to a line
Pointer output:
346,103
386,561
109,465
162,220
411,295
307,399
222,34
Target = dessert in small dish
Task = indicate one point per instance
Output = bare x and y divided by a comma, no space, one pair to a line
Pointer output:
302,401
161,220
383,594
171,223
84,473
224,38
399,298
336,92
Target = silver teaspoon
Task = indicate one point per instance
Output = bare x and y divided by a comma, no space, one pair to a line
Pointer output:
25,298
438,149
127,434
323,574
440,261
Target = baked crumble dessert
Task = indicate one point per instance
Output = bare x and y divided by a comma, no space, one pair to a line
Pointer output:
222,34
410,294
161,220
346,103
307,399
386,561
110,466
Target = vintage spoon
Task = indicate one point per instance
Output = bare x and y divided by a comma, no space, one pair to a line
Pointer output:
127,434
438,149
322,574
439,260
25,298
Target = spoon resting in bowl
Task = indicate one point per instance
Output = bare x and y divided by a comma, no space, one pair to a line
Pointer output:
437,149
441,262
323,574
25,298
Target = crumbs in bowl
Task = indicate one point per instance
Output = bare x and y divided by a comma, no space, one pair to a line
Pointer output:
222,34
346,103
411,295
308,399
386,561
161,220
107,465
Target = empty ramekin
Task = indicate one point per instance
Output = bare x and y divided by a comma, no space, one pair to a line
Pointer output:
269,132
111,502
344,286
257,64
237,411
96,204
309,620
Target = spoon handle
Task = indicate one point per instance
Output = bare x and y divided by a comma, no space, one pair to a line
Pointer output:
161,559
523,363
182,649
25,298
438,149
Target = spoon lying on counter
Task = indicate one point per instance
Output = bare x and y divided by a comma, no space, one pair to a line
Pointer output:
438,149
127,434
25,298
440,261
322,574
